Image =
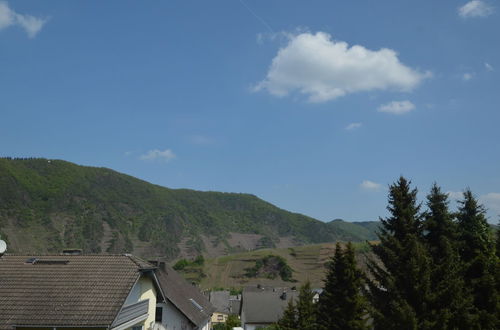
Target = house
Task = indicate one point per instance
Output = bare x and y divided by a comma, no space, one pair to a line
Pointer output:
316,294
96,291
220,301
235,305
261,307
225,304
184,306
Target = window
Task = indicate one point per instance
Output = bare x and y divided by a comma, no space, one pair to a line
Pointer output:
137,327
159,314
220,317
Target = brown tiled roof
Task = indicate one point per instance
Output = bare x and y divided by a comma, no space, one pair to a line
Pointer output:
184,296
87,290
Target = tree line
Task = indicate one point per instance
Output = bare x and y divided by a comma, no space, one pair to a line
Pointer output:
431,269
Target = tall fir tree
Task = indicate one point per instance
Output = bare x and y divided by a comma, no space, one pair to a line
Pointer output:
400,289
497,270
341,305
289,319
481,264
451,302
306,309
498,240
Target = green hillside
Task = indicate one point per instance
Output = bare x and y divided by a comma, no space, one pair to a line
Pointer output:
47,205
305,262
362,230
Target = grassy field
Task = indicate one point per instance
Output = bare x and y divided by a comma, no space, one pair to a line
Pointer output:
306,261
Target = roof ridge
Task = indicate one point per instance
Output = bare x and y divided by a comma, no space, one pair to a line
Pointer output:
142,264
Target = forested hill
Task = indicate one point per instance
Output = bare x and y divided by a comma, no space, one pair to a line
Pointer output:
47,205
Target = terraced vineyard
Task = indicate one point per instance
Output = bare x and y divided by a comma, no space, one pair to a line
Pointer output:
306,261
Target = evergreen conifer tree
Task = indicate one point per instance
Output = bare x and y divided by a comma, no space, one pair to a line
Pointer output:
341,304
498,240
400,289
451,303
306,309
481,264
289,319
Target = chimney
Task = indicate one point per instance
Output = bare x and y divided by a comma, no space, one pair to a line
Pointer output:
159,264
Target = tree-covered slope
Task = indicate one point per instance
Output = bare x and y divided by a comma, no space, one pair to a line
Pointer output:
361,230
47,205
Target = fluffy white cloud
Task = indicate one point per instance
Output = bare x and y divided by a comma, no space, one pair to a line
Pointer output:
165,155
455,195
370,185
397,107
467,76
475,8
8,17
353,126
324,69
488,66
491,201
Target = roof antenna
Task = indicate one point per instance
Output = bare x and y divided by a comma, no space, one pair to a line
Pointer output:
3,247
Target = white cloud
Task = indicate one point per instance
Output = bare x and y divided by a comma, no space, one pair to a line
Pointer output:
324,69
475,8
491,201
488,67
8,17
455,195
397,107
467,76
165,155
370,185
353,126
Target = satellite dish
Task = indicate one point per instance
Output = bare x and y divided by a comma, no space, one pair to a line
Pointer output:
3,247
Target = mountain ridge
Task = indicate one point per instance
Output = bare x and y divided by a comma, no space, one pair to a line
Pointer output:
47,205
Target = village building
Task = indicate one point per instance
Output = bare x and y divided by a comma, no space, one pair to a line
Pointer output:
225,304
261,307
62,292
220,301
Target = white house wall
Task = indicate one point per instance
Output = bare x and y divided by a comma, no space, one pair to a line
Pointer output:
144,290
173,319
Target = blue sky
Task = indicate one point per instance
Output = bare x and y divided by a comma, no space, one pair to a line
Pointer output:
314,106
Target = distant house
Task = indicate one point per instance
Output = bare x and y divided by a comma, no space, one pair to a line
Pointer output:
261,307
316,294
220,301
225,305
235,305
96,291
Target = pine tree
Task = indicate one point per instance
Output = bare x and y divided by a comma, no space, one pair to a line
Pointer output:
289,319
498,240
451,304
481,264
306,309
341,304
400,289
